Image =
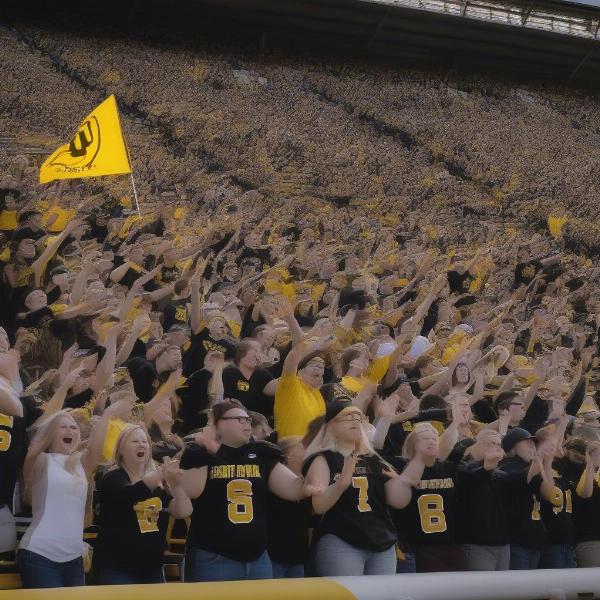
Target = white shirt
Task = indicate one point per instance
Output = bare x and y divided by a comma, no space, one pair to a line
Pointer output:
58,503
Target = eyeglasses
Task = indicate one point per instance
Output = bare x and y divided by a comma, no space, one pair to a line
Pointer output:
240,420
351,418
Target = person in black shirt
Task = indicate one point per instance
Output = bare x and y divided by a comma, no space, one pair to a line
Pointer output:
481,522
207,335
134,505
587,511
559,549
245,381
355,535
289,522
428,523
228,482
522,481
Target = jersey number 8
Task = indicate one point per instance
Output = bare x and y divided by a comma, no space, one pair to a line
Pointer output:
431,513
239,496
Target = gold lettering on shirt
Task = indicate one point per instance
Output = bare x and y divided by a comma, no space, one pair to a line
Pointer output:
235,471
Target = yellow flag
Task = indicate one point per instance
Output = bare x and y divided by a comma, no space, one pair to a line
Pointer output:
96,149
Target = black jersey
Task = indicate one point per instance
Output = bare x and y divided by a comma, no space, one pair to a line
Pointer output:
230,516
249,391
586,516
558,516
288,530
200,345
430,517
521,501
13,447
480,513
398,432
360,517
133,524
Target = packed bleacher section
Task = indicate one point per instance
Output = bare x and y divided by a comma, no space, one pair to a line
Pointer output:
359,302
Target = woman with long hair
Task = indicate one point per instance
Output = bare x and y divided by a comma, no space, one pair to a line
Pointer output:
228,475
135,500
356,534
56,472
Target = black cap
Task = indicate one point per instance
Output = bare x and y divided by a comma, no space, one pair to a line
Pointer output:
514,436
335,407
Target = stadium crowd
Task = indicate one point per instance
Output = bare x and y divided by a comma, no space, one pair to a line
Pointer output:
295,362
413,408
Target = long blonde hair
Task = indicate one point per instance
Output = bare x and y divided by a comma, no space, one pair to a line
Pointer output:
43,434
408,449
118,455
325,440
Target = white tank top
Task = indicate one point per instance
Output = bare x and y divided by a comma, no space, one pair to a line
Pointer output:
58,502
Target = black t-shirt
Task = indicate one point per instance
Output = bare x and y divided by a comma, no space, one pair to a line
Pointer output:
200,345
586,516
430,517
525,272
521,502
480,512
133,272
398,432
288,524
194,399
230,516
144,377
558,518
175,313
80,399
249,391
459,282
133,523
13,446
360,517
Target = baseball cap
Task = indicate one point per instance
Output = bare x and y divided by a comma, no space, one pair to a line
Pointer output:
514,436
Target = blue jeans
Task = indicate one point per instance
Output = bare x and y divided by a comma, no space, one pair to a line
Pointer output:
37,571
201,565
522,558
558,557
285,571
408,565
108,576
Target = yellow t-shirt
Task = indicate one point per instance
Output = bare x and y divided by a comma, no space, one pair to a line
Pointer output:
378,368
354,385
296,405
8,220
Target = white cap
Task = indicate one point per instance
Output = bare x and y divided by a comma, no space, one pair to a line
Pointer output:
419,346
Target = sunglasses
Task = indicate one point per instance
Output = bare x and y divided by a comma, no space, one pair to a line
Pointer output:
240,420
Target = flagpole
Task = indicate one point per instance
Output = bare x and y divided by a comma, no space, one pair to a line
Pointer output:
137,206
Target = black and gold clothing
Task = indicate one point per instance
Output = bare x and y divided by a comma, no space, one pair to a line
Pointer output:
13,446
230,516
200,345
586,516
132,525
398,432
249,391
288,530
361,516
521,501
175,313
134,272
481,518
430,517
558,516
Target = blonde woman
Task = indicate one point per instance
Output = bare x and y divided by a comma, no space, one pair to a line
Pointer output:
56,476
427,524
135,497
356,535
